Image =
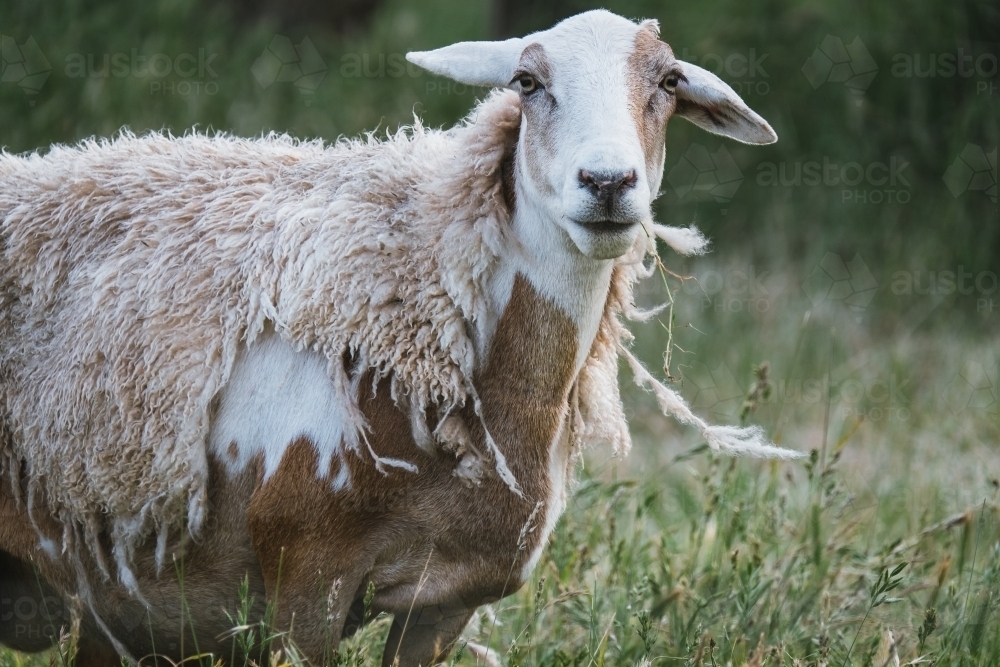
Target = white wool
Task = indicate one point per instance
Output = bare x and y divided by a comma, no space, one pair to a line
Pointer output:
684,240
733,440
133,269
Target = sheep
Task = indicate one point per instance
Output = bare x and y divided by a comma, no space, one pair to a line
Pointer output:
328,367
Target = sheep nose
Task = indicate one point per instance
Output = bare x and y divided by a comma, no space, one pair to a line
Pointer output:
605,185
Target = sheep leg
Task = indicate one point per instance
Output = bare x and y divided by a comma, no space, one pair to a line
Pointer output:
315,618
312,568
311,587
92,652
416,641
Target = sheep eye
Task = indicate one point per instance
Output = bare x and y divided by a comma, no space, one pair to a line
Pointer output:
528,84
670,82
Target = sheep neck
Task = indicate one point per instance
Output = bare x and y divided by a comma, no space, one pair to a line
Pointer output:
544,255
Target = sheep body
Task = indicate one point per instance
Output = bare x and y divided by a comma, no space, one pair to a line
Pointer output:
133,269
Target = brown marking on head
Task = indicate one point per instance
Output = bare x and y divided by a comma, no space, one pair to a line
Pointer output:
539,113
651,107
534,62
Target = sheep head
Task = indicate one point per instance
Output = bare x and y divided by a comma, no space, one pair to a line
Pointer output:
597,91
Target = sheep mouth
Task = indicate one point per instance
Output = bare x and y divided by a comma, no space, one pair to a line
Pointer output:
605,226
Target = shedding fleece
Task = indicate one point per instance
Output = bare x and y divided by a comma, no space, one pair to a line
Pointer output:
133,269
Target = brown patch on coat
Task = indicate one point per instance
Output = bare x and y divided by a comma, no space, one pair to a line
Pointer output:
528,375
394,528
650,60
317,550
316,546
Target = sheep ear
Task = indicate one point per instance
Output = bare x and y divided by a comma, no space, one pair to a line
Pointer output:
473,63
709,102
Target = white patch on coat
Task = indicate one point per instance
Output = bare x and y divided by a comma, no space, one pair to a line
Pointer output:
276,395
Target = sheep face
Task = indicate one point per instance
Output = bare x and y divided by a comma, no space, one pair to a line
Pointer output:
596,93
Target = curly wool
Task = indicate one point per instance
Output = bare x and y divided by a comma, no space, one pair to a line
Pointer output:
132,270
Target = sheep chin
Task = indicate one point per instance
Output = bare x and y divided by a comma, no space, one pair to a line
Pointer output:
603,239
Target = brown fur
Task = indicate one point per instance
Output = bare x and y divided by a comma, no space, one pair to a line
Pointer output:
319,550
534,62
651,60
508,181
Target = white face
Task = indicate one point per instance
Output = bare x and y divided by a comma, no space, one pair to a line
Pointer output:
596,93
